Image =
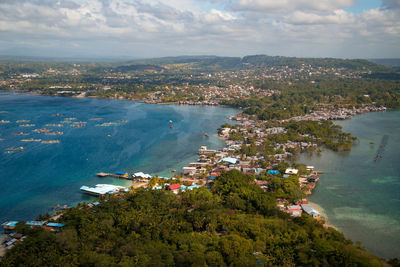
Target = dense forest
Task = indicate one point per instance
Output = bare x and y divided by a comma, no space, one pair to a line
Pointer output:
234,223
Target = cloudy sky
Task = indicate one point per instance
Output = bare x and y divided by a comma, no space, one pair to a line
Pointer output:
153,28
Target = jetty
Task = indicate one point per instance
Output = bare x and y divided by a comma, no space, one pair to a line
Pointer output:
381,149
118,174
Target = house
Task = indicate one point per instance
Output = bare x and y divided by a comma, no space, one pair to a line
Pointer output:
189,170
229,160
174,188
310,210
294,210
291,171
53,226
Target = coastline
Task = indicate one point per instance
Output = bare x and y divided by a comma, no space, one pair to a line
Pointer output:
360,202
327,223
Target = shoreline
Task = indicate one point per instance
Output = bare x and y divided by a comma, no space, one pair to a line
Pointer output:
326,224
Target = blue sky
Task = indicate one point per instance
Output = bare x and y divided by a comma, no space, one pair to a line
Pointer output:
153,28
363,5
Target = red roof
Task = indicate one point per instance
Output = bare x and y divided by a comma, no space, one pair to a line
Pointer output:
174,186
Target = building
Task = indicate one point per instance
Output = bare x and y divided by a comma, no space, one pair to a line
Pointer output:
174,188
291,171
310,210
294,210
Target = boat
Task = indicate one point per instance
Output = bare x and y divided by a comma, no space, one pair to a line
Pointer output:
103,189
13,149
172,171
54,125
170,121
27,125
43,130
31,140
171,126
50,142
206,134
20,133
22,121
54,133
3,121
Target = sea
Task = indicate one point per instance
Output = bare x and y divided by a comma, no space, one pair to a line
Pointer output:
358,195
98,136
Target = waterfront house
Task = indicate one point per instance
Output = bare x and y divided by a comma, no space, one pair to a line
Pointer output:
310,210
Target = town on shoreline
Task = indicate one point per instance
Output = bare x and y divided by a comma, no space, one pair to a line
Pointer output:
287,108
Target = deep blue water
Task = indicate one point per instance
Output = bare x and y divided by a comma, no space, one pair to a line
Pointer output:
44,175
359,196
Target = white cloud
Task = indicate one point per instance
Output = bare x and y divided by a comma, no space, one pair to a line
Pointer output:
172,27
288,5
335,17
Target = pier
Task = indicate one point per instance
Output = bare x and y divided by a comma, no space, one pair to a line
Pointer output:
121,175
381,149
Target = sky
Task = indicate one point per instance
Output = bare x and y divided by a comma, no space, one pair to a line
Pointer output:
155,28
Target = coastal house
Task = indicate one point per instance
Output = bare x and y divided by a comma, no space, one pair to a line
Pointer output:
141,175
189,170
291,171
310,210
229,160
294,210
174,188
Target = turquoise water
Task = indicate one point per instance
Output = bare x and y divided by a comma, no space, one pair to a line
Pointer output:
44,175
359,196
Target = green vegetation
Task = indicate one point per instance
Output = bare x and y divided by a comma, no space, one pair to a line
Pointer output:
235,224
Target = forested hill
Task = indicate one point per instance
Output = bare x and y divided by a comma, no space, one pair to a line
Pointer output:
248,62
234,223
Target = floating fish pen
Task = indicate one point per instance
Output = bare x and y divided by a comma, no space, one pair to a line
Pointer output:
31,140
381,149
43,130
54,125
50,142
54,133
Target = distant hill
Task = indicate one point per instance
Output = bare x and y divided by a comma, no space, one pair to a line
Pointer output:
261,61
393,63
139,67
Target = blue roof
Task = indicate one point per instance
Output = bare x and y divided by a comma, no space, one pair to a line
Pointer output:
55,225
285,176
212,177
273,172
229,160
10,223
35,223
96,203
121,173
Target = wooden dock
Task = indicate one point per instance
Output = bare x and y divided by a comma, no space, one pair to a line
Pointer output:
115,175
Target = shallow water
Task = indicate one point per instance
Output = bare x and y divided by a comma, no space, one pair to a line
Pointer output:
44,175
359,196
